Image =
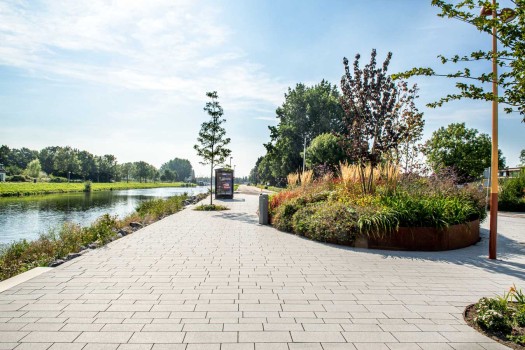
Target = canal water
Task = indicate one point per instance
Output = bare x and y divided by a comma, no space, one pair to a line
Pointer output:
27,217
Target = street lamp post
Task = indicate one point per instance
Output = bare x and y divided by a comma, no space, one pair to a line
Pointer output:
508,15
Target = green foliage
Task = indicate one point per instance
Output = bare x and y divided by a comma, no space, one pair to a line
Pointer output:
520,316
282,218
70,163
512,194
461,149
522,157
493,314
302,219
307,111
19,178
181,167
518,339
325,150
331,222
34,168
505,314
510,57
88,186
156,209
429,210
168,175
210,207
212,137
334,211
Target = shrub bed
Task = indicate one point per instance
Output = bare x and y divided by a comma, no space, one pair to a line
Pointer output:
501,318
336,210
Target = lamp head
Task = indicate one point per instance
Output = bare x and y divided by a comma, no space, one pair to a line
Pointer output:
507,15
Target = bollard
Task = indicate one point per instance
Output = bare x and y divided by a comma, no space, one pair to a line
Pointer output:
263,209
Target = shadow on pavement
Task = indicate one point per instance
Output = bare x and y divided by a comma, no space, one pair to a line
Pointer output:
475,255
244,217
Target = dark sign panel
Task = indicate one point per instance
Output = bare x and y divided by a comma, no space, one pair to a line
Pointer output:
223,183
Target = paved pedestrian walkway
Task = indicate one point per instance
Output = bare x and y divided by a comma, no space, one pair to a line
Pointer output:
217,280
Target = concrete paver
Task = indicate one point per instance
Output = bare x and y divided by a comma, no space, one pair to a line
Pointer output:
218,280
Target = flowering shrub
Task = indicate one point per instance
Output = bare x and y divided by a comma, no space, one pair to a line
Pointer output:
504,315
340,204
494,314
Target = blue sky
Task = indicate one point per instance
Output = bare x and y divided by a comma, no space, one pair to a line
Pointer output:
129,77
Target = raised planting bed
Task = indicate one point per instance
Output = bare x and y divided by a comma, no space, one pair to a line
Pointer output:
425,238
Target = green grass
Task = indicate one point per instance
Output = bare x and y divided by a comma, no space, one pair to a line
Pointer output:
24,255
13,189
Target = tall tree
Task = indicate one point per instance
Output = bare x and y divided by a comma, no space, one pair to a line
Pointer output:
522,157
307,112
511,56
66,161
462,149
325,150
374,121
47,158
182,167
33,168
212,137
88,166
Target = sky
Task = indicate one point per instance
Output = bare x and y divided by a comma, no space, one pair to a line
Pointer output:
129,77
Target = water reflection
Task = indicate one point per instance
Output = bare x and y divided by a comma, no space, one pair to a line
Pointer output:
27,217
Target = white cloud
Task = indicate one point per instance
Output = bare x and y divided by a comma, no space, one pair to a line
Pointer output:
179,47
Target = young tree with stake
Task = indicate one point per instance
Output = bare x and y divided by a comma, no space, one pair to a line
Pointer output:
212,141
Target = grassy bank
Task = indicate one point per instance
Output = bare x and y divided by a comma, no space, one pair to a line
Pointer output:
56,244
14,189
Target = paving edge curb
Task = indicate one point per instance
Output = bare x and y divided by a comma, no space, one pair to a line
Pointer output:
23,277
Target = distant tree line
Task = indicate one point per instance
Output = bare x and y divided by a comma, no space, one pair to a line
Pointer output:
75,164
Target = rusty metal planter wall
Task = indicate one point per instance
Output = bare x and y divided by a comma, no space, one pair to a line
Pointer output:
425,238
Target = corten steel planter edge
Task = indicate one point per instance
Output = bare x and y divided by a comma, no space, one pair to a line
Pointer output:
426,238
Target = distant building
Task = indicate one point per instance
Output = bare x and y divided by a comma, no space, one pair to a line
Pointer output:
510,172
2,173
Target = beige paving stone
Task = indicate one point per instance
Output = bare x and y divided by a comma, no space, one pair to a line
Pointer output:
157,337
104,337
67,346
50,337
315,337
222,278
34,346
210,337
135,347
237,346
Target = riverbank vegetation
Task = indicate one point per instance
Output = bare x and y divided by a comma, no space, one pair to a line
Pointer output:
338,210
70,239
14,189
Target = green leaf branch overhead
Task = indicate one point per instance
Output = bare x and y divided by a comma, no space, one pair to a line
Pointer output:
510,59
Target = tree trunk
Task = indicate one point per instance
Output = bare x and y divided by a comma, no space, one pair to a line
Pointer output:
211,184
